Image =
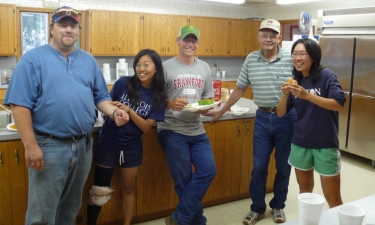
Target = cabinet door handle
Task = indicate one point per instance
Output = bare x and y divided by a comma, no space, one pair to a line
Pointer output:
16,155
119,47
247,130
238,131
113,47
168,49
207,49
162,49
211,49
245,50
1,158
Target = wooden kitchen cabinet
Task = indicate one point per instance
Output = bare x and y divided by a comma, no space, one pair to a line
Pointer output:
230,140
232,84
5,198
13,183
155,186
243,37
232,146
254,31
113,33
161,32
7,30
214,37
2,95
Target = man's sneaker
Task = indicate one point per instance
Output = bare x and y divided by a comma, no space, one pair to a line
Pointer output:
252,218
170,221
278,215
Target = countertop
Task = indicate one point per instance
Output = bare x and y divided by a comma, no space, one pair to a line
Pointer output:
6,135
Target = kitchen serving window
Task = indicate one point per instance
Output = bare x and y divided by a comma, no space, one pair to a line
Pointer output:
34,30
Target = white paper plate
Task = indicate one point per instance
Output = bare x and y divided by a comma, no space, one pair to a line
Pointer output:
238,110
10,128
195,107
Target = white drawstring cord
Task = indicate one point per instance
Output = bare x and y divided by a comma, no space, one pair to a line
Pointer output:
121,157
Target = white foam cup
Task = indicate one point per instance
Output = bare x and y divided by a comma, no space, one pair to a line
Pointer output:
121,61
223,73
106,71
310,208
350,215
105,65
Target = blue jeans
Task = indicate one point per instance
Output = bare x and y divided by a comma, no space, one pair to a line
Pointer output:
55,193
181,151
271,131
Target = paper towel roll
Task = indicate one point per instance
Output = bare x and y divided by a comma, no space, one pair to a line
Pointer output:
121,61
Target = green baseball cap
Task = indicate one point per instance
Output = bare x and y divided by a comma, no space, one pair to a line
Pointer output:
189,29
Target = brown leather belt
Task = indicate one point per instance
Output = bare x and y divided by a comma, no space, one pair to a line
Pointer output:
267,109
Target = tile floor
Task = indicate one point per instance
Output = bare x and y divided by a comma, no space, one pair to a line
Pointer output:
357,181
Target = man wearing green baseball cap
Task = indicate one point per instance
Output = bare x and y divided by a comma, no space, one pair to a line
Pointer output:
182,134
186,30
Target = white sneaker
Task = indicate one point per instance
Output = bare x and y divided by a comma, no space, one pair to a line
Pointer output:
252,218
278,215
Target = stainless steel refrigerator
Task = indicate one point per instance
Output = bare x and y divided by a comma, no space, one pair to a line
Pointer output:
352,59
348,48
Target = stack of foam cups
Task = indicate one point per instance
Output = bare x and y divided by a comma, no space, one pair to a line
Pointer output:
122,67
106,72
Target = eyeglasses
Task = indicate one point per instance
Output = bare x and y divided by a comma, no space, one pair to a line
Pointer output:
187,41
271,37
302,55
145,65
66,12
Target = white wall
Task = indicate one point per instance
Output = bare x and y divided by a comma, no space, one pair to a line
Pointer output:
179,7
288,12
186,7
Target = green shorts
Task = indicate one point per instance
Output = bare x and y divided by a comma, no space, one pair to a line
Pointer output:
325,161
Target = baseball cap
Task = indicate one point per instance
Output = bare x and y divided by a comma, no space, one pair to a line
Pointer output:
270,24
189,29
64,11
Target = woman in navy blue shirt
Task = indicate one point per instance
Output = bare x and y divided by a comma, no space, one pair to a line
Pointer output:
143,97
318,98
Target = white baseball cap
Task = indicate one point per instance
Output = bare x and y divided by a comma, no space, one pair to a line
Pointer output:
270,24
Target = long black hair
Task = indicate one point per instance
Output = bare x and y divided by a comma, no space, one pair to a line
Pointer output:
315,53
159,94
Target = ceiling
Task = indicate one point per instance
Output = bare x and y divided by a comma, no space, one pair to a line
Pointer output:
250,3
259,3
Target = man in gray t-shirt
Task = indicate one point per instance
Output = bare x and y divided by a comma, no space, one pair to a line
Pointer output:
182,134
